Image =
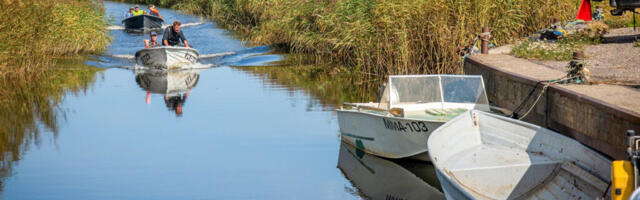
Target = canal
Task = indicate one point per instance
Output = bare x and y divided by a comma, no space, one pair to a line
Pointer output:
243,124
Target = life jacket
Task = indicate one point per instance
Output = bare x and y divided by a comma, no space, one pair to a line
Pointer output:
149,44
155,12
140,12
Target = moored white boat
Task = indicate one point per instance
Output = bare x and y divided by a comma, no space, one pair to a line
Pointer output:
142,23
378,178
165,57
485,156
410,108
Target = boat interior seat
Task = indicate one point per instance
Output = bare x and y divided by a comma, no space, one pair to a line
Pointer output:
498,171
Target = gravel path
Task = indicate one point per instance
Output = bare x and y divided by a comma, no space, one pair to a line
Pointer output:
615,62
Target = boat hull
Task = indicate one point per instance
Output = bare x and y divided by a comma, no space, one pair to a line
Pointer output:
485,156
166,57
142,23
390,137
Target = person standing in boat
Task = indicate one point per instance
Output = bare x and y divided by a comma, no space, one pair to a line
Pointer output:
137,11
173,36
152,42
154,11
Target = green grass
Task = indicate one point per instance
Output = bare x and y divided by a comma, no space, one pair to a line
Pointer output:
563,48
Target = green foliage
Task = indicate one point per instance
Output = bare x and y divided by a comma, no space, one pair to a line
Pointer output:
543,50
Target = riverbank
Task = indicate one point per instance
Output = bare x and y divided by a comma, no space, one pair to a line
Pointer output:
41,59
378,37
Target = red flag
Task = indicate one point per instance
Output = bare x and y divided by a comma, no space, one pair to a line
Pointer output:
584,13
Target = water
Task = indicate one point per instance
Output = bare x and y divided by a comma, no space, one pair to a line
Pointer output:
227,131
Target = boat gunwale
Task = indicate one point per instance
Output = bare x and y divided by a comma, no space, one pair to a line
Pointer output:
169,47
147,15
390,116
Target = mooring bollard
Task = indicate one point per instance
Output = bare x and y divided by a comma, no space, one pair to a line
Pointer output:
578,71
485,36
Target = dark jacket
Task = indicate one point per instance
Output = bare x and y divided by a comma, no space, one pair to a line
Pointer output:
172,37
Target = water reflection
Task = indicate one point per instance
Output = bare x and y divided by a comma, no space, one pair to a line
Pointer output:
332,86
30,105
175,86
378,178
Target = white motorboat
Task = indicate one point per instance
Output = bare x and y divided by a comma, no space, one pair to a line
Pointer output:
479,155
166,57
410,107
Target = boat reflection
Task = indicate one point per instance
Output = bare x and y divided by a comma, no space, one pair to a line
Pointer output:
378,178
174,85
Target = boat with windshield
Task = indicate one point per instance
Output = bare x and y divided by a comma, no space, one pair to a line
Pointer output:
410,108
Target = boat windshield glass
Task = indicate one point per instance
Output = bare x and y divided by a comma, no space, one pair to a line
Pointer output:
441,91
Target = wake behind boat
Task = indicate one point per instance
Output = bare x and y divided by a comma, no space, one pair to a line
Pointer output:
410,108
485,156
165,57
142,23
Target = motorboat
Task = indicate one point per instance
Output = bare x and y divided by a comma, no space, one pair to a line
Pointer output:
140,23
409,109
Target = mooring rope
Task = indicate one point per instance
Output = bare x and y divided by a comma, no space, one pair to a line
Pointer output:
514,114
469,51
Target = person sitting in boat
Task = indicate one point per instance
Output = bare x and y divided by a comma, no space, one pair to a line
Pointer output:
130,13
137,11
154,11
152,42
172,36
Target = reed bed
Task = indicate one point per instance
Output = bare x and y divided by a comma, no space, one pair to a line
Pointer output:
379,37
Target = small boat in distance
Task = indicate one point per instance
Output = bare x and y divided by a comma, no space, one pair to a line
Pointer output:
141,23
485,156
166,57
410,107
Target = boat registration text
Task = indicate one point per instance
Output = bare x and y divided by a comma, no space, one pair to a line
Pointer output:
405,126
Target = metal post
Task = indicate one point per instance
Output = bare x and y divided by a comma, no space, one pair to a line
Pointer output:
634,19
632,150
485,36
